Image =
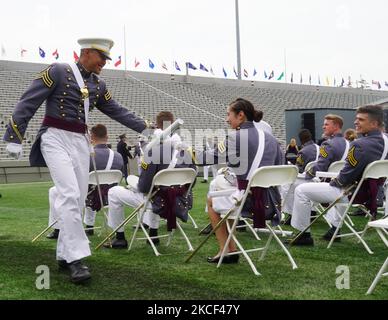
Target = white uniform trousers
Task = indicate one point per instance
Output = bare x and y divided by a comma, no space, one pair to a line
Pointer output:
306,194
90,216
118,197
288,194
206,171
67,157
221,205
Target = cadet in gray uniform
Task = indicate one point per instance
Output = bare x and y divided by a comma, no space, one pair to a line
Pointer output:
62,144
334,148
368,148
239,152
160,157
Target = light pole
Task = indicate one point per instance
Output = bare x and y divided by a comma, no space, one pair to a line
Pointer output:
238,43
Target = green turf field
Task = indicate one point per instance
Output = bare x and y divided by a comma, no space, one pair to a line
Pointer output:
139,274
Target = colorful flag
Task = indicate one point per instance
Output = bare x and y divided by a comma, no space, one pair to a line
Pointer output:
342,82
41,52
271,75
2,51
386,83
235,72
254,72
75,56
22,52
177,67
150,64
245,73
203,68
211,70
136,63
55,54
377,83
225,74
292,77
281,76
118,62
164,66
190,66
265,74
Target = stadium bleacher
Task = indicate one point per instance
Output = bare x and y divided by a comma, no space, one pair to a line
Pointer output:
200,102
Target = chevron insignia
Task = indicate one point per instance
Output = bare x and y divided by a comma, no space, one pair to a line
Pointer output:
351,159
45,76
107,96
144,165
221,147
323,152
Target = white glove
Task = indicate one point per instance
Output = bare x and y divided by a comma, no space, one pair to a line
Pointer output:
14,150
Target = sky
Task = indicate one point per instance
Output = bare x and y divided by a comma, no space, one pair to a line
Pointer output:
329,38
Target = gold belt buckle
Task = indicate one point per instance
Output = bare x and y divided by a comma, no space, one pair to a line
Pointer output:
84,92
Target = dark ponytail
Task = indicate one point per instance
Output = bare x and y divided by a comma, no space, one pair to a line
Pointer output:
247,107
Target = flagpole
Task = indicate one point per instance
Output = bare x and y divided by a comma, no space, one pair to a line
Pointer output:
238,42
285,66
125,52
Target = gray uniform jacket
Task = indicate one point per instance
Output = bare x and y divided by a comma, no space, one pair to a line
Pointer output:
331,150
362,151
64,104
307,154
239,151
102,156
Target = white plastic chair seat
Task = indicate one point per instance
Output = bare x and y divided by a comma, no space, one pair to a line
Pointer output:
382,223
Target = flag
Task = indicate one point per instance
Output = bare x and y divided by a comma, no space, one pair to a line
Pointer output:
342,82
41,52
235,72
301,79
281,76
136,63
310,79
211,70
203,68
75,56
177,67
265,74
254,72
190,66
225,74
22,52
55,54
164,66
319,80
335,82
118,62
2,51
386,83
292,78
377,83
271,75
150,64
327,81
245,73
349,81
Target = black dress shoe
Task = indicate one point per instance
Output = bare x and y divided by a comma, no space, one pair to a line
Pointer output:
89,230
79,273
329,234
287,221
204,181
303,240
117,244
63,265
227,259
207,229
53,235
153,233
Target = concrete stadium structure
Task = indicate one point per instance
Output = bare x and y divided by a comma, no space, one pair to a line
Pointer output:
201,102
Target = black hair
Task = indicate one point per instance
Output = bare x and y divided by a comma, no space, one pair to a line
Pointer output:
247,107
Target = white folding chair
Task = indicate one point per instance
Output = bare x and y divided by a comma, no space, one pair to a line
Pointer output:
105,177
381,227
375,170
264,177
166,178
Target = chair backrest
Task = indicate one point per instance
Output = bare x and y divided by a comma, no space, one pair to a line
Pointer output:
174,176
105,177
271,176
309,165
377,169
336,166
